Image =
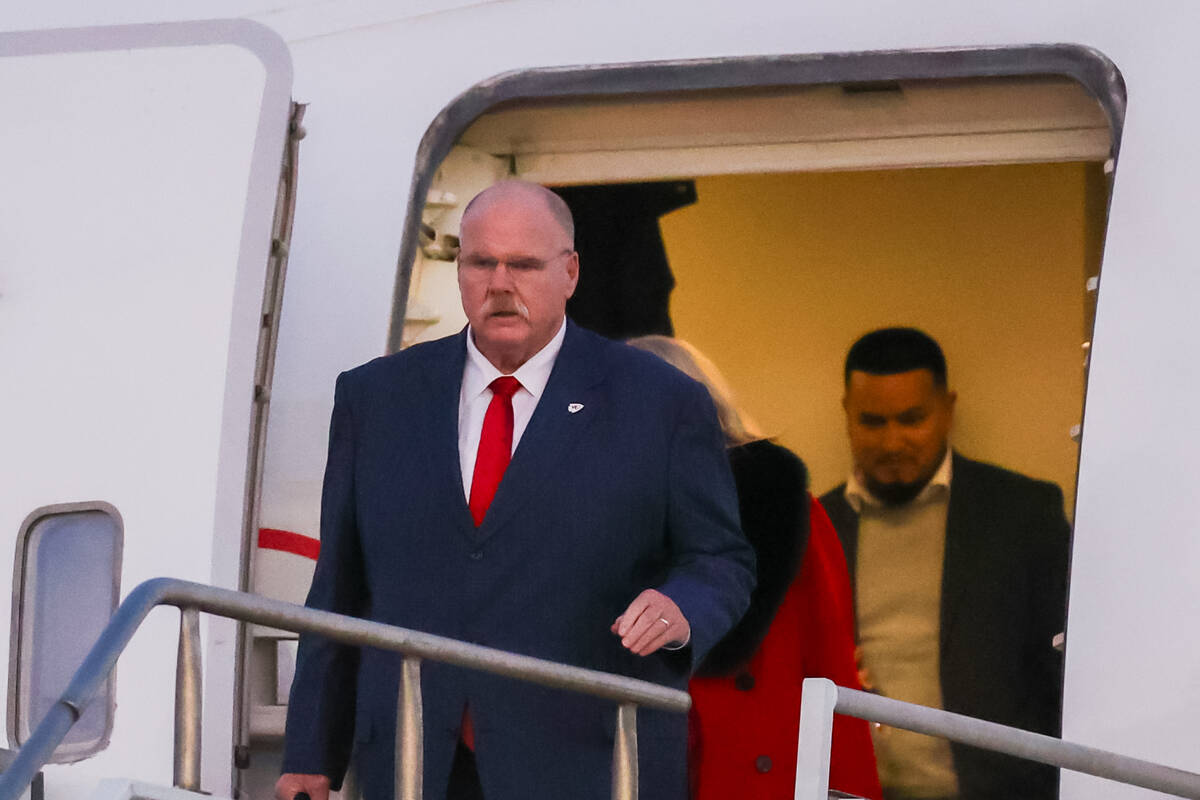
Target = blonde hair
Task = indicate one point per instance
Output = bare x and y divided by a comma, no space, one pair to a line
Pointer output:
738,427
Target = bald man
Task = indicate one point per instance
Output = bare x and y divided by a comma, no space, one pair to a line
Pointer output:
524,485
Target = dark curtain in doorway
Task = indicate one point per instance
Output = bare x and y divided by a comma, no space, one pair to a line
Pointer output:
625,281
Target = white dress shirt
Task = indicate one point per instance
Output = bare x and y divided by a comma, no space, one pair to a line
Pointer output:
475,396
858,495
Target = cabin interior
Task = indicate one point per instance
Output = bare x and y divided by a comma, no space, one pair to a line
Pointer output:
794,221
772,227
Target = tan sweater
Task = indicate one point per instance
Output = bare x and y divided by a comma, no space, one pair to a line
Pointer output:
898,594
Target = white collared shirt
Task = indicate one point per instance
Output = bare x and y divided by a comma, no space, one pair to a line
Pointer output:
475,396
858,495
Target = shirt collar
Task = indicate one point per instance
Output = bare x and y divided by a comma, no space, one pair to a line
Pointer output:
534,374
859,496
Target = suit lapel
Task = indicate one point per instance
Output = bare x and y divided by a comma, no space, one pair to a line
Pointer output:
845,523
553,429
444,379
959,567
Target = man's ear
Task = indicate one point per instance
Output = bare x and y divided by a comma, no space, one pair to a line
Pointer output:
949,400
572,272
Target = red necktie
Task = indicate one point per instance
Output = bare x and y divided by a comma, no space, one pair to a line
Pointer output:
495,451
495,446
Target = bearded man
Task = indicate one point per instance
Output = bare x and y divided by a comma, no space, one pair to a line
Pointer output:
959,573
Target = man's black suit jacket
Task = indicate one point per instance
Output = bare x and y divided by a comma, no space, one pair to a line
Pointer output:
1004,585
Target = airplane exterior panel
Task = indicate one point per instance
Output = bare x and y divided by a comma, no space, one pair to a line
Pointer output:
1134,553
135,223
375,78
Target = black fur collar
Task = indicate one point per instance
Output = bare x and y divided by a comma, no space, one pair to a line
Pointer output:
772,486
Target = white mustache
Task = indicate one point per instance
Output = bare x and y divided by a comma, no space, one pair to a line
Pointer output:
500,303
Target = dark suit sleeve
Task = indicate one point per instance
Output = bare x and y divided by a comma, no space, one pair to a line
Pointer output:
1050,549
712,564
320,722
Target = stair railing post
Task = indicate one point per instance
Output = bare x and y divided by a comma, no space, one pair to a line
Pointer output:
410,732
817,701
188,684
625,754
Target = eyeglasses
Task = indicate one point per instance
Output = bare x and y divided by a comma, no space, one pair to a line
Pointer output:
520,264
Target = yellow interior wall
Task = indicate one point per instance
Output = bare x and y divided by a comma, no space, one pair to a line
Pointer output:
778,274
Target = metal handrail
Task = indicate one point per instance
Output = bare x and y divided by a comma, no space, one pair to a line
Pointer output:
821,697
191,598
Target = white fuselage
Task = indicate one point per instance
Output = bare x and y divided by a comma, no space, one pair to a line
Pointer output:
180,319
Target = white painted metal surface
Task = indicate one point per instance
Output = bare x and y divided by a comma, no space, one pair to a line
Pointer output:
139,177
816,737
1133,589
376,75
118,789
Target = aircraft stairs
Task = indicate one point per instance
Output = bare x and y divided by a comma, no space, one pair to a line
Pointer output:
821,698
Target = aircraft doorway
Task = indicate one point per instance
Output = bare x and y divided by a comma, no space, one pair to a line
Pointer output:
818,198
774,276
778,274
964,193
777,224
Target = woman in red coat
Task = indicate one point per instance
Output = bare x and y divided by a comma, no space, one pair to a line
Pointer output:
800,624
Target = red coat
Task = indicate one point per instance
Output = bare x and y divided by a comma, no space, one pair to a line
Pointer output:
745,727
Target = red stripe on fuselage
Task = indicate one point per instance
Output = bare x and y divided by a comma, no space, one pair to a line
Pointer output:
289,542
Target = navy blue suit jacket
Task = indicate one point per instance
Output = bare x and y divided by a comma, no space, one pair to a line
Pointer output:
632,491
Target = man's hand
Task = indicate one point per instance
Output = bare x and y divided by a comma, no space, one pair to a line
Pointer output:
290,784
651,621
864,677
